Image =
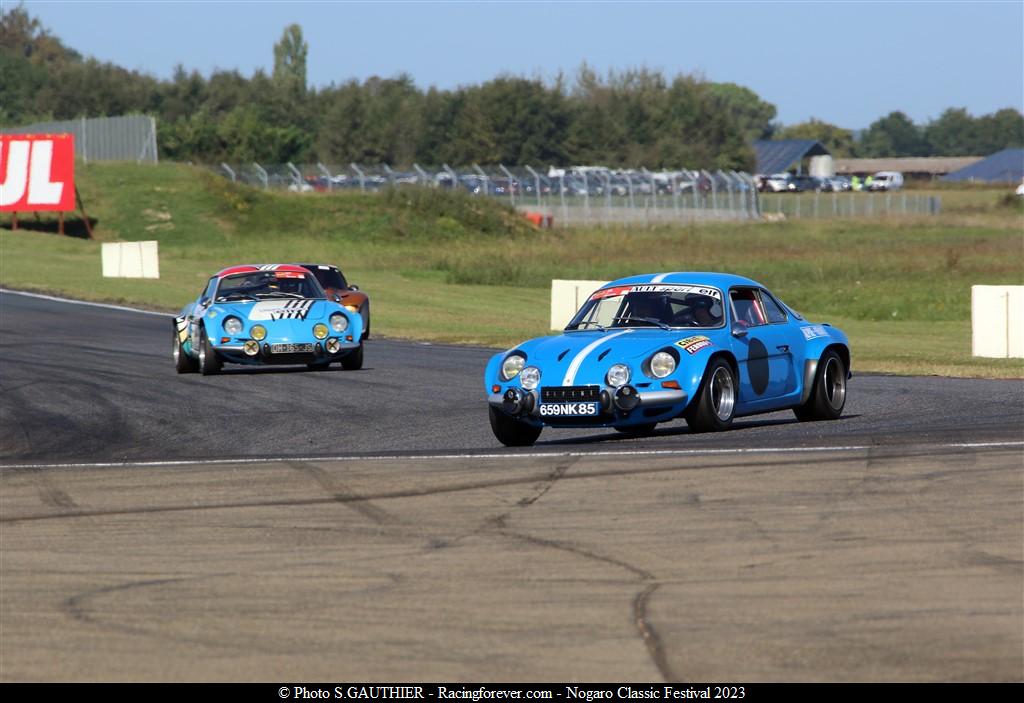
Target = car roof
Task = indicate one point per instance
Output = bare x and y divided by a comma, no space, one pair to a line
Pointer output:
248,268
703,278
319,266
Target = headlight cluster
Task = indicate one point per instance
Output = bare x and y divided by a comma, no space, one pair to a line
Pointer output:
529,377
258,332
339,323
319,330
511,366
662,364
618,375
232,325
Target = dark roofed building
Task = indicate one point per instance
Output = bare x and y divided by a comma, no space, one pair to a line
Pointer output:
1006,166
776,156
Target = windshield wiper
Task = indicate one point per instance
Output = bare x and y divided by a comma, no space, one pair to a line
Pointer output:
598,325
236,296
281,294
651,320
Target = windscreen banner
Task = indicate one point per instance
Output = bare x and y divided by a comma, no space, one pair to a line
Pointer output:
37,172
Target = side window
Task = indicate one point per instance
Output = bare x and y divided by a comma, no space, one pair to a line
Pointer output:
772,310
211,287
746,308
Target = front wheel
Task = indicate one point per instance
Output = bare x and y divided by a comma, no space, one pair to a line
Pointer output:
353,361
713,408
512,432
209,364
828,394
183,363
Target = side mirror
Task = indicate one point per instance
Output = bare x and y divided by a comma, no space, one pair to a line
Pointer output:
738,331
353,286
337,298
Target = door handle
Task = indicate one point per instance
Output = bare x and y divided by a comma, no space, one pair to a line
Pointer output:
783,348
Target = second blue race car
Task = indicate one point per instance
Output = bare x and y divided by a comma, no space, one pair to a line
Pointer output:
265,314
708,347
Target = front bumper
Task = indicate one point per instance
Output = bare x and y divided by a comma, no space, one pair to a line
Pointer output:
234,352
616,407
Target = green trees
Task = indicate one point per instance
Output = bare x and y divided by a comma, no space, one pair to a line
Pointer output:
632,118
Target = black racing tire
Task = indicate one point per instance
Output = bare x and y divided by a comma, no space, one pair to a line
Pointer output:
353,361
638,430
183,363
512,432
828,394
365,312
715,405
209,362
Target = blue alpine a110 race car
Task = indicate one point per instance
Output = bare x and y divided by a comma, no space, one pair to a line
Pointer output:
265,314
708,347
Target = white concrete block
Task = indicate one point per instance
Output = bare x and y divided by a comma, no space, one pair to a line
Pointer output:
567,297
131,260
997,321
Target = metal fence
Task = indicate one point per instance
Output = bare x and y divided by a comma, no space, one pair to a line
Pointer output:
590,195
129,138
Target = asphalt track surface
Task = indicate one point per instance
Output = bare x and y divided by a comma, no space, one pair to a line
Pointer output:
282,525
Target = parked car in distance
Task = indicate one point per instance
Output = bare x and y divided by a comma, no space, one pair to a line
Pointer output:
780,183
811,183
887,180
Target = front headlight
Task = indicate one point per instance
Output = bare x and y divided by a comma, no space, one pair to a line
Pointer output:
339,323
662,364
618,375
319,330
258,332
232,325
511,366
529,377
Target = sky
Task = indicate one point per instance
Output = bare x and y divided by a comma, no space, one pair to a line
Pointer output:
848,63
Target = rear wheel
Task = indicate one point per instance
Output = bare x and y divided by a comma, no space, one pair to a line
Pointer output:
712,410
828,394
209,364
183,363
353,361
512,432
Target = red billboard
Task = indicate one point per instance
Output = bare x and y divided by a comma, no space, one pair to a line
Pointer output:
37,172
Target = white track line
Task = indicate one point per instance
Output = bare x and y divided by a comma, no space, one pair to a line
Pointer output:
518,457
69,301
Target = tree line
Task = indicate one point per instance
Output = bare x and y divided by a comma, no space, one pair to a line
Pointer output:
631,118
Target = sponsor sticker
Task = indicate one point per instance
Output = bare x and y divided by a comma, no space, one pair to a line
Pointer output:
281,310
814,331
694,344
568,409
657,288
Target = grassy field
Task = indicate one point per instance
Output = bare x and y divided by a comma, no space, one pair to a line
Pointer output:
454,268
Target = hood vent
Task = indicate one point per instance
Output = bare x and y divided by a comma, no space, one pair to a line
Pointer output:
603,354
562,355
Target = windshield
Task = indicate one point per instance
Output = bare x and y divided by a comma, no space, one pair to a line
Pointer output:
259,285
665,306
328,276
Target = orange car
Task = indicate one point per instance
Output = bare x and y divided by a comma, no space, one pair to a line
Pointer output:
332,280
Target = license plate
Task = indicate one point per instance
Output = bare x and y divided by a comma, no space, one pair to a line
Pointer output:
290,348
568,409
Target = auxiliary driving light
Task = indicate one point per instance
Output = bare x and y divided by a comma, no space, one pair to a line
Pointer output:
333,345
319,330
251,348
258,332
626,398
512,401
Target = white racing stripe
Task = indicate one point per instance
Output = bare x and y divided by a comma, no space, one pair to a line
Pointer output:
661,276
570,373
69,301
515,457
